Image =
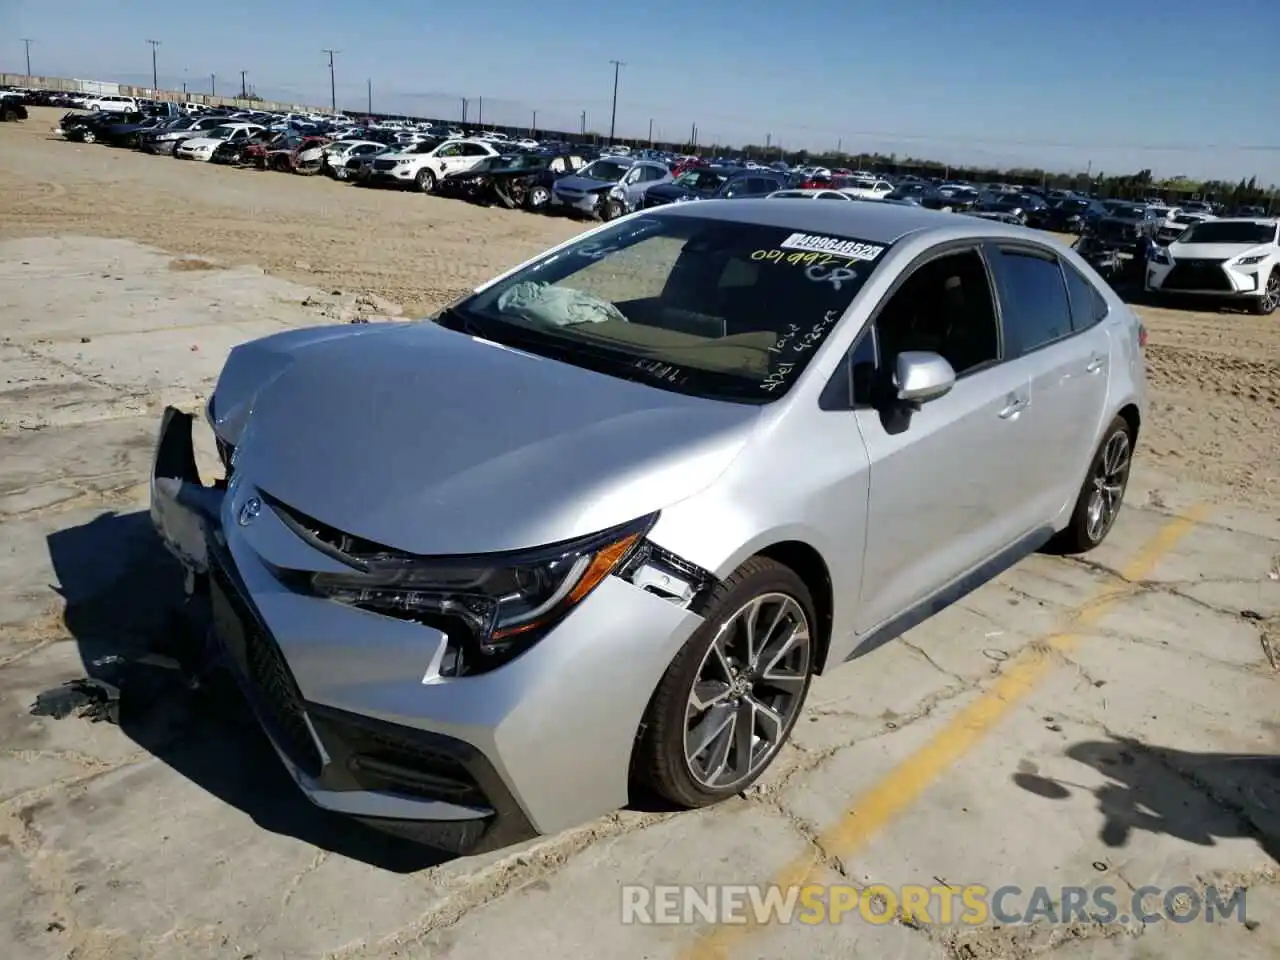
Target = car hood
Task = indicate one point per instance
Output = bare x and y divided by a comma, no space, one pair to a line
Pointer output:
585,184
435,442
203,141
1216,251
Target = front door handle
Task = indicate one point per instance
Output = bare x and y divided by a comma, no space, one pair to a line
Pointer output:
1014,407
1096,364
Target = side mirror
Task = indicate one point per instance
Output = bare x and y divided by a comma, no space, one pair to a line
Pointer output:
921,376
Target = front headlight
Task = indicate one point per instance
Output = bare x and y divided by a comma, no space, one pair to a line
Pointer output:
1251,260
500,603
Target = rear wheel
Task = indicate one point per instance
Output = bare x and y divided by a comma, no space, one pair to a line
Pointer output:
425,181
728,701
1098,503
1266,304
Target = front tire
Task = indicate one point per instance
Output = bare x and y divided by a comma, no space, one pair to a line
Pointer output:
729,699
89,137
1102,493
1266,304
610,209
425,181
538,198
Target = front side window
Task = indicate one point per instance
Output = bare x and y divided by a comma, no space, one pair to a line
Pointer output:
945,307
1033,298
714,308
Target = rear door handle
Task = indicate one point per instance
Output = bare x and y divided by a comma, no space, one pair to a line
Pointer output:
1014,407
1096,364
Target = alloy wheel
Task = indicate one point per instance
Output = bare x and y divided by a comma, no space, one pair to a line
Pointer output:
538,197
1108,482
747,691
1271,296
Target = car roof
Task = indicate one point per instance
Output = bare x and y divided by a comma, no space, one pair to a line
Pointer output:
873,222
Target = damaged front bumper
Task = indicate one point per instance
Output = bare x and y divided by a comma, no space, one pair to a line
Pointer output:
359,716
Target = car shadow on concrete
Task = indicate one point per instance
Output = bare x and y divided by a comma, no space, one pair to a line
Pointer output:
122,591
1196,797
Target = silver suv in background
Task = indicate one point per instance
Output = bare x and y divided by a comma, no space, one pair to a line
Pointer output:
600,523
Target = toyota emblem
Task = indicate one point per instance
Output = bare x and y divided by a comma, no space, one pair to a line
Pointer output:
249,511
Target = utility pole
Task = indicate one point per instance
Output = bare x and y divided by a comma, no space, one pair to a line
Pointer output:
464,109
533,130
333,89
584,123
480,111
839,146
693,138
27,42
244,87
155,77
369,87
613,119
213,84
651,133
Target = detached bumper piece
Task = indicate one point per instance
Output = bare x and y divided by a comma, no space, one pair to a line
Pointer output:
351,764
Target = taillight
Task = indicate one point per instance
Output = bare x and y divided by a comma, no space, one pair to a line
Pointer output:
1142,335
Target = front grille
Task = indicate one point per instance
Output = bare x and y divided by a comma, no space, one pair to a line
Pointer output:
384,164
1198,275
275,692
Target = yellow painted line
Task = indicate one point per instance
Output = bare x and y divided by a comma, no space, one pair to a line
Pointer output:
876,807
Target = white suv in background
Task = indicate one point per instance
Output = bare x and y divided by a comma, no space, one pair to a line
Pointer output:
869,189
425,170
111,104
1232,258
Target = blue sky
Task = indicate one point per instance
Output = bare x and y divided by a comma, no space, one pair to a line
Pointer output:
1118,85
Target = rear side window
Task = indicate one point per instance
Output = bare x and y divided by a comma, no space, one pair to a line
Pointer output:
1033,297
1087,304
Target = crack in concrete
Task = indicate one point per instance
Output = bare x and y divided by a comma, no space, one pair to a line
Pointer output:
933,663
808,831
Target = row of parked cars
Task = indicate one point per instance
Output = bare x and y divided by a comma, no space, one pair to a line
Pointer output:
1134,242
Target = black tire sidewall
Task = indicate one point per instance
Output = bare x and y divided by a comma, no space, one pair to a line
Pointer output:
663,767
1075,538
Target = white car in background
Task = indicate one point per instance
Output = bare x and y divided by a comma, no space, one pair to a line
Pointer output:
425,170
337,154
1233,258
1176,225
201,148
868,189
808,193
110,104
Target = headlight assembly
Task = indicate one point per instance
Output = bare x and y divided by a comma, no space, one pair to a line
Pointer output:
1251,260
498,603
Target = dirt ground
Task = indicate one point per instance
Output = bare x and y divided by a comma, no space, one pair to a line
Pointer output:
1215,376
1107,725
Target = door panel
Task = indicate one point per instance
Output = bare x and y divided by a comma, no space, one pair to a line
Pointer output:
941,490
1067,368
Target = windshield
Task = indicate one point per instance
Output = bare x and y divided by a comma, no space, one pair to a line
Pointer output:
709,307
220,133
699,180
609,170
1230,231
